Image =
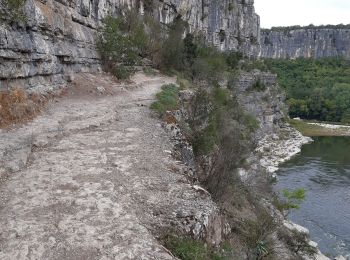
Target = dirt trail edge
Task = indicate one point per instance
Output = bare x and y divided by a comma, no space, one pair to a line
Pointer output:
92,178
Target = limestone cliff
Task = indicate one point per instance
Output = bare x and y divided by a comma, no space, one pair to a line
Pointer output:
58,38
308,42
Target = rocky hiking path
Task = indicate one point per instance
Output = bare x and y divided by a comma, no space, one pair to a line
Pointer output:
93,178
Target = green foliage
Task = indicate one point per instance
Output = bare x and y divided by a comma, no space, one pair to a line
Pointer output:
186,248
257,235
253,64
209,64
12,10
122,72
227,124
224,252
150,71
205,140
167,99
258,85
173,49
297,242
221,97
316,89
183,83
291,200
233,58
156,39
251,123
194,58
116,47
190,49
127,39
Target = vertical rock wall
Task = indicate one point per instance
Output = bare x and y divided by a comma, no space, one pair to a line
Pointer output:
229,24
315,42
58,38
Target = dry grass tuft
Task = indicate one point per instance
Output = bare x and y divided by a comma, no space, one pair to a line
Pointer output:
17,106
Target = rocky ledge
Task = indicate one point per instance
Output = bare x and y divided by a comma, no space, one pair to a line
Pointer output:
277,148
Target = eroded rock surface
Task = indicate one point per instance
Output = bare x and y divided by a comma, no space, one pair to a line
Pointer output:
58,38
305,42
96,181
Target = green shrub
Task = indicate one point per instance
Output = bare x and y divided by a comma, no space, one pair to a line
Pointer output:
258,85
122,72
205,140
186,248
190,49
183,83
251,123
124,41
115,47
233,58
173,47
227,124
167,99
150,72
12,10
291,200
257,235
345,119
296,241
253,64
209,65
221,97
156,39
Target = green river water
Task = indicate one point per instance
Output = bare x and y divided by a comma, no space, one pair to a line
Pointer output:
323,169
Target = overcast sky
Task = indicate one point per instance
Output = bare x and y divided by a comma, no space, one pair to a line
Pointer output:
302,12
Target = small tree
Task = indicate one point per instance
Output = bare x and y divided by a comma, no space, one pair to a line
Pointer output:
292,200
123,42
173,49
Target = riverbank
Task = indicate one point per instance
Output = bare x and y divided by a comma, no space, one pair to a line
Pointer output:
279,148
309,128
322,168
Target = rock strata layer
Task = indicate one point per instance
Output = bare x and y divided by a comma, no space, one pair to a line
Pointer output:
305,42
58,38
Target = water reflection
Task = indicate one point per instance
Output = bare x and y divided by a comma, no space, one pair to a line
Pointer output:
323,169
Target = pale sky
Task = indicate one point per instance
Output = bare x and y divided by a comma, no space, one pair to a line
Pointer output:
302,12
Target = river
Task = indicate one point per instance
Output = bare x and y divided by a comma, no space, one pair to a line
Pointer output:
323,169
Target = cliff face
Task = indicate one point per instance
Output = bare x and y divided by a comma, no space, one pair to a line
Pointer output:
305,42
227,24
58,38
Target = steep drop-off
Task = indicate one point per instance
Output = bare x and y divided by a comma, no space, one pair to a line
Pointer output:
58,37
307,42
